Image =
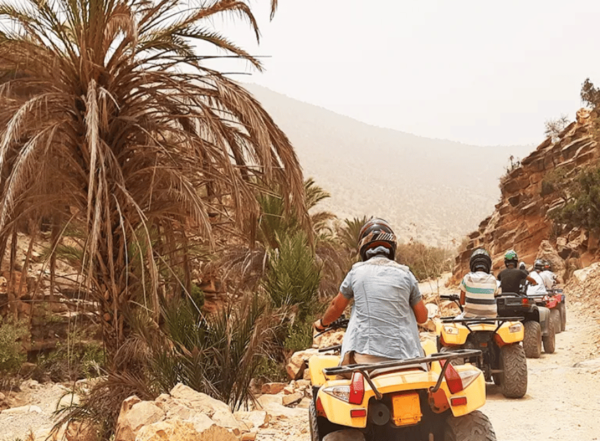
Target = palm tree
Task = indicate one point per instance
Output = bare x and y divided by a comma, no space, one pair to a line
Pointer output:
112,125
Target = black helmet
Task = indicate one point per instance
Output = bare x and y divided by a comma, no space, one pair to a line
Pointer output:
375,233
538,265
511,258
480,261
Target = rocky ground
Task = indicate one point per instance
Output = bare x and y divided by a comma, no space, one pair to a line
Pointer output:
562,402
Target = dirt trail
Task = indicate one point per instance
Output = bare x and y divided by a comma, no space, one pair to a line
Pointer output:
562,401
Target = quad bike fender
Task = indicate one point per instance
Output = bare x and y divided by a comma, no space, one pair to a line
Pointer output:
453,334
544,317
429,347
339,412
316,365
511,332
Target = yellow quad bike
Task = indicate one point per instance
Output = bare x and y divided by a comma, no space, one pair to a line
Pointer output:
419,399
499,339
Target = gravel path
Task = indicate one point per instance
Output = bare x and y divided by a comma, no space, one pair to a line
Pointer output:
35,416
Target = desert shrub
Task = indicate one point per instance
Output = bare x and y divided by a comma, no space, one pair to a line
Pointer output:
300,335
583,206
554,181
554,127
76,358
424,261
12,335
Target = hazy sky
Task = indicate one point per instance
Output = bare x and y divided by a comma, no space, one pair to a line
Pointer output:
478,72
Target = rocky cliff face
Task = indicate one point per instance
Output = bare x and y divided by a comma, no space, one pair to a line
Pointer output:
521,219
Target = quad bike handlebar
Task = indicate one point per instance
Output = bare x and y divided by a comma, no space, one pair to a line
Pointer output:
341,323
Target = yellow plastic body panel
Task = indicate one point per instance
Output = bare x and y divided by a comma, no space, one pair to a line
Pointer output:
338,411
429,347
317,363
459,336
511,337
406,409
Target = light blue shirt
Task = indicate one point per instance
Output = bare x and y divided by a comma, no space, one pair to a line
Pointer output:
382,322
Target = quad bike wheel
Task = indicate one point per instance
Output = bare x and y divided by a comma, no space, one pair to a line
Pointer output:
563,316
513,379
550,340
474,426
532,343
312,419
555,317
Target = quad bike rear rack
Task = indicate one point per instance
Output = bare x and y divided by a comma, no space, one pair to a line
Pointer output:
365,369
478,321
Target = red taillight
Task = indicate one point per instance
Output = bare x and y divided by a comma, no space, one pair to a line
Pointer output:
357,388
459,401
525,301
453,380
358,413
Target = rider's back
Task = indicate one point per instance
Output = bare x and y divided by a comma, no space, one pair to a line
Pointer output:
511,279
382,322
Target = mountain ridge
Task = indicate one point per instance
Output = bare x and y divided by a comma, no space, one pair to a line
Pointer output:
431,190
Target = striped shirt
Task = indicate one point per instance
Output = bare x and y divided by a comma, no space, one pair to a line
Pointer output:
480,295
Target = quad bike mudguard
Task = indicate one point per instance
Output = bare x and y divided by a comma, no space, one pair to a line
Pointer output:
456,334
544,319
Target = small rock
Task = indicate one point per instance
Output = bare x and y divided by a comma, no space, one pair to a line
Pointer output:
16,410
35,409
272,388
251,436
256,419
288,390
294,398
304,404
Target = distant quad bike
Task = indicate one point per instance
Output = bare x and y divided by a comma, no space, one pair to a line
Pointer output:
556,302
420,399
499,339
539,326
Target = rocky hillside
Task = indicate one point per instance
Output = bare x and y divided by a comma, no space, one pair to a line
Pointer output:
431,189
521,219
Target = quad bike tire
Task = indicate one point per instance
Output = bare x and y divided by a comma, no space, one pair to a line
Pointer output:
513,379
555,317
312,419
474,426
532,342
550,340
563,316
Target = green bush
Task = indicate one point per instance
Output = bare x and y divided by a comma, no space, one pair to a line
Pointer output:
12,335
294,276
583,206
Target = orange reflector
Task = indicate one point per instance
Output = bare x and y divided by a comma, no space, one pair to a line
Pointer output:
484,345
358,413
458,401
320,408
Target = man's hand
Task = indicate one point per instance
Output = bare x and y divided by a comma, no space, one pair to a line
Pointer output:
318,325
531,280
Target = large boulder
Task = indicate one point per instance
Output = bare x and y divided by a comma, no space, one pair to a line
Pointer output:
298,363
134,415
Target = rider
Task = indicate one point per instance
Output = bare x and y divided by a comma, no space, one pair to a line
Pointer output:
512,278
479,288
548,276
523,268
540,288
387,302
